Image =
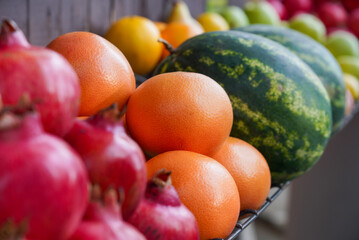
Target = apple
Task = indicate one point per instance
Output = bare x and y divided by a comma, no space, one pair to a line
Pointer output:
352,84
334,29
261,12
350,4
353,22
309,25
349,64
280,8
342,43
294,6
332,14
319,2
235,16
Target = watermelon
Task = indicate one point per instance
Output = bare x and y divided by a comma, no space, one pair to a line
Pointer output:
318,58
280,106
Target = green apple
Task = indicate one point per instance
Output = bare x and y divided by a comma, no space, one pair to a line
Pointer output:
309,25
352,84
349,64
235,16
341,43
261,12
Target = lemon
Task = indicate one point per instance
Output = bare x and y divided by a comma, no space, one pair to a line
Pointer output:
211,21
352,84
137,37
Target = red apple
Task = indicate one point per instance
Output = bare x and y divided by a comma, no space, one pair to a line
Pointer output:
320,2
280,8
350,5
332,14
294,6
353,22
331,30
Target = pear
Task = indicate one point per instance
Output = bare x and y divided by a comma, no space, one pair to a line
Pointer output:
180,13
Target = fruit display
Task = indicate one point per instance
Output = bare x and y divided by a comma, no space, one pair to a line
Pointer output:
264,81
171,127
317,57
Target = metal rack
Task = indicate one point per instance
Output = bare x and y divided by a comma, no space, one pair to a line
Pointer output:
247,216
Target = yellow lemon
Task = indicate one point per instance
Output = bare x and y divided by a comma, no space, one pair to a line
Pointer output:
137,38
211,21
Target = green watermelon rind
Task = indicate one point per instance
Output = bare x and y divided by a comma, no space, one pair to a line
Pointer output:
280,106
316,56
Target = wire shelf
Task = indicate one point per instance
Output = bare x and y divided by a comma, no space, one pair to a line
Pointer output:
247,216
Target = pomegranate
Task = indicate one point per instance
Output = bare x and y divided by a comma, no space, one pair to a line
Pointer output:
332,14
43,182
112,158
280,8
45,75
161,215
353,22
297,6
104,222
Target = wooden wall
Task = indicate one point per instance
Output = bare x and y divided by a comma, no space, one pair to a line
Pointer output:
43,20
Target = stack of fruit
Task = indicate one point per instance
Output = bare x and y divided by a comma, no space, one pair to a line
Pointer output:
333,23
85,154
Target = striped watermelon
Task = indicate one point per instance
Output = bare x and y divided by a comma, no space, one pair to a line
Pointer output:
279,104
319,59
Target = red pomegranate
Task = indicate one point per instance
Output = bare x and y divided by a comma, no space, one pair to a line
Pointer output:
161,215
43,74
112,158
43,182
102,221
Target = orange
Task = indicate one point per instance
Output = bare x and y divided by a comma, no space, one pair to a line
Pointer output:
137,37
180,111
160,25
105,74
177,32
205,187
249,169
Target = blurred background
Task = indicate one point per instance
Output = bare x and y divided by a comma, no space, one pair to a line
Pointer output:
322,204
